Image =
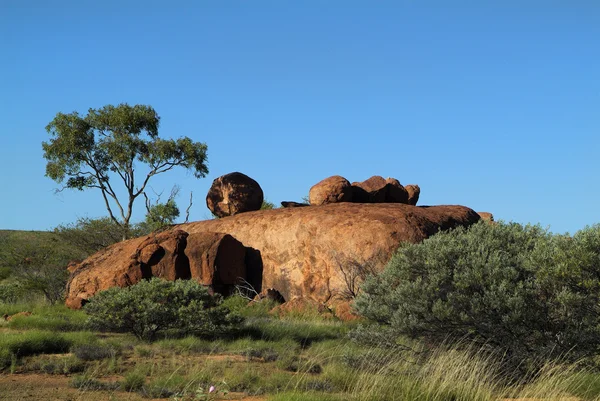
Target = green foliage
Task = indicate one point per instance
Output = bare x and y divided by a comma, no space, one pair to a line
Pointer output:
266,205
513,288
133,381
55,318
41,268
53,364
160,215
89,151
11,292
36,262
93,352
151,307
90,235
31,343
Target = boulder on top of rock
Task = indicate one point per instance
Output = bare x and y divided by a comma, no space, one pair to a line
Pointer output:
333,189
234,193
413,194
381,190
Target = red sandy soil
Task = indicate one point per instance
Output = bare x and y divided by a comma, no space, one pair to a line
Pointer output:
19,387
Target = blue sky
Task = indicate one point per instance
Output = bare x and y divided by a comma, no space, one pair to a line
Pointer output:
490,104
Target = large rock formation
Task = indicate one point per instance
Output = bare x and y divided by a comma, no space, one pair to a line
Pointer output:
301,252
213,259
382,190
330,190
234,193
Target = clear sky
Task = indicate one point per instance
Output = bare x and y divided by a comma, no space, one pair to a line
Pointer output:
490,104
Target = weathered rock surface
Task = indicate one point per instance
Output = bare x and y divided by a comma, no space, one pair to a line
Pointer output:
382,190
413,194
330,190
300,252
234,193
213,259
269,294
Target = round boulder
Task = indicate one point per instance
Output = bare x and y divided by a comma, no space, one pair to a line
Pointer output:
413,194
234,193
331,190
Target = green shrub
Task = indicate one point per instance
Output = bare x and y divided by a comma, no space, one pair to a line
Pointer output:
151,307
11,292
517,289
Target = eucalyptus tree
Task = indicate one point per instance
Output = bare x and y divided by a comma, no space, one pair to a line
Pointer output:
104,149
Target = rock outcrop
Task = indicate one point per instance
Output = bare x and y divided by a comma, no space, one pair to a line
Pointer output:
213,259
300,252
234,193
382,190
413,194
333,189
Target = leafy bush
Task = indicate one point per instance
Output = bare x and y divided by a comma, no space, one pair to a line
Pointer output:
151,307
11,292
515,288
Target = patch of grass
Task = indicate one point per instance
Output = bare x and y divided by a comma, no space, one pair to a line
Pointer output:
190,345
34,342
133,381
94,352
53,318
17,345
306,396
53,364
164,387
87,383
303,333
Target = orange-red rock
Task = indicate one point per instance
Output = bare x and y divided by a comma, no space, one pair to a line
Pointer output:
299,248
330,190
382,190
296,251
217,260
234,193
413,194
